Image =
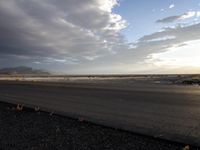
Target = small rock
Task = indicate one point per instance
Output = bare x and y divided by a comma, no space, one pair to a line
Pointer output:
19,107
37,108
186,147
81,119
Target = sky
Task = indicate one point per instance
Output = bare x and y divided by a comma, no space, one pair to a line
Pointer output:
101,36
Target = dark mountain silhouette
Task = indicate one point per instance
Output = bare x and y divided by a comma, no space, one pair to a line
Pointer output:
22,70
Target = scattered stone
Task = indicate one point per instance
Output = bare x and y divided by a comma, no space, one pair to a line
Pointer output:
27,130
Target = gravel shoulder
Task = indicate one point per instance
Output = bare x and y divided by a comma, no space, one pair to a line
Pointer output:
31,130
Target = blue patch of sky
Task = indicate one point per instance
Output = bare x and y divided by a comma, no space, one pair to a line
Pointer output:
141,15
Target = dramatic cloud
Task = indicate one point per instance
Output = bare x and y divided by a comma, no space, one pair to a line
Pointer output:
80,36
64,31
184,16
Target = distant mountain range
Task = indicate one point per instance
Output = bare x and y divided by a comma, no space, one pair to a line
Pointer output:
23,71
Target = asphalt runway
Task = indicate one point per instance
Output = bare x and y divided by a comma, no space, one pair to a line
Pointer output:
165,111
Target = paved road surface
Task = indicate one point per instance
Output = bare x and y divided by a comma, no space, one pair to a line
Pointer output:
166,111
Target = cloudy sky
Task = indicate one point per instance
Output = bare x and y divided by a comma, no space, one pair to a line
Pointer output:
101,36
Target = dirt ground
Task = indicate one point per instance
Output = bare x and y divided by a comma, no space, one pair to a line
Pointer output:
34,130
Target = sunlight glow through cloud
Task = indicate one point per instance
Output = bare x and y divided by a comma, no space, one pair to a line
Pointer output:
186,56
